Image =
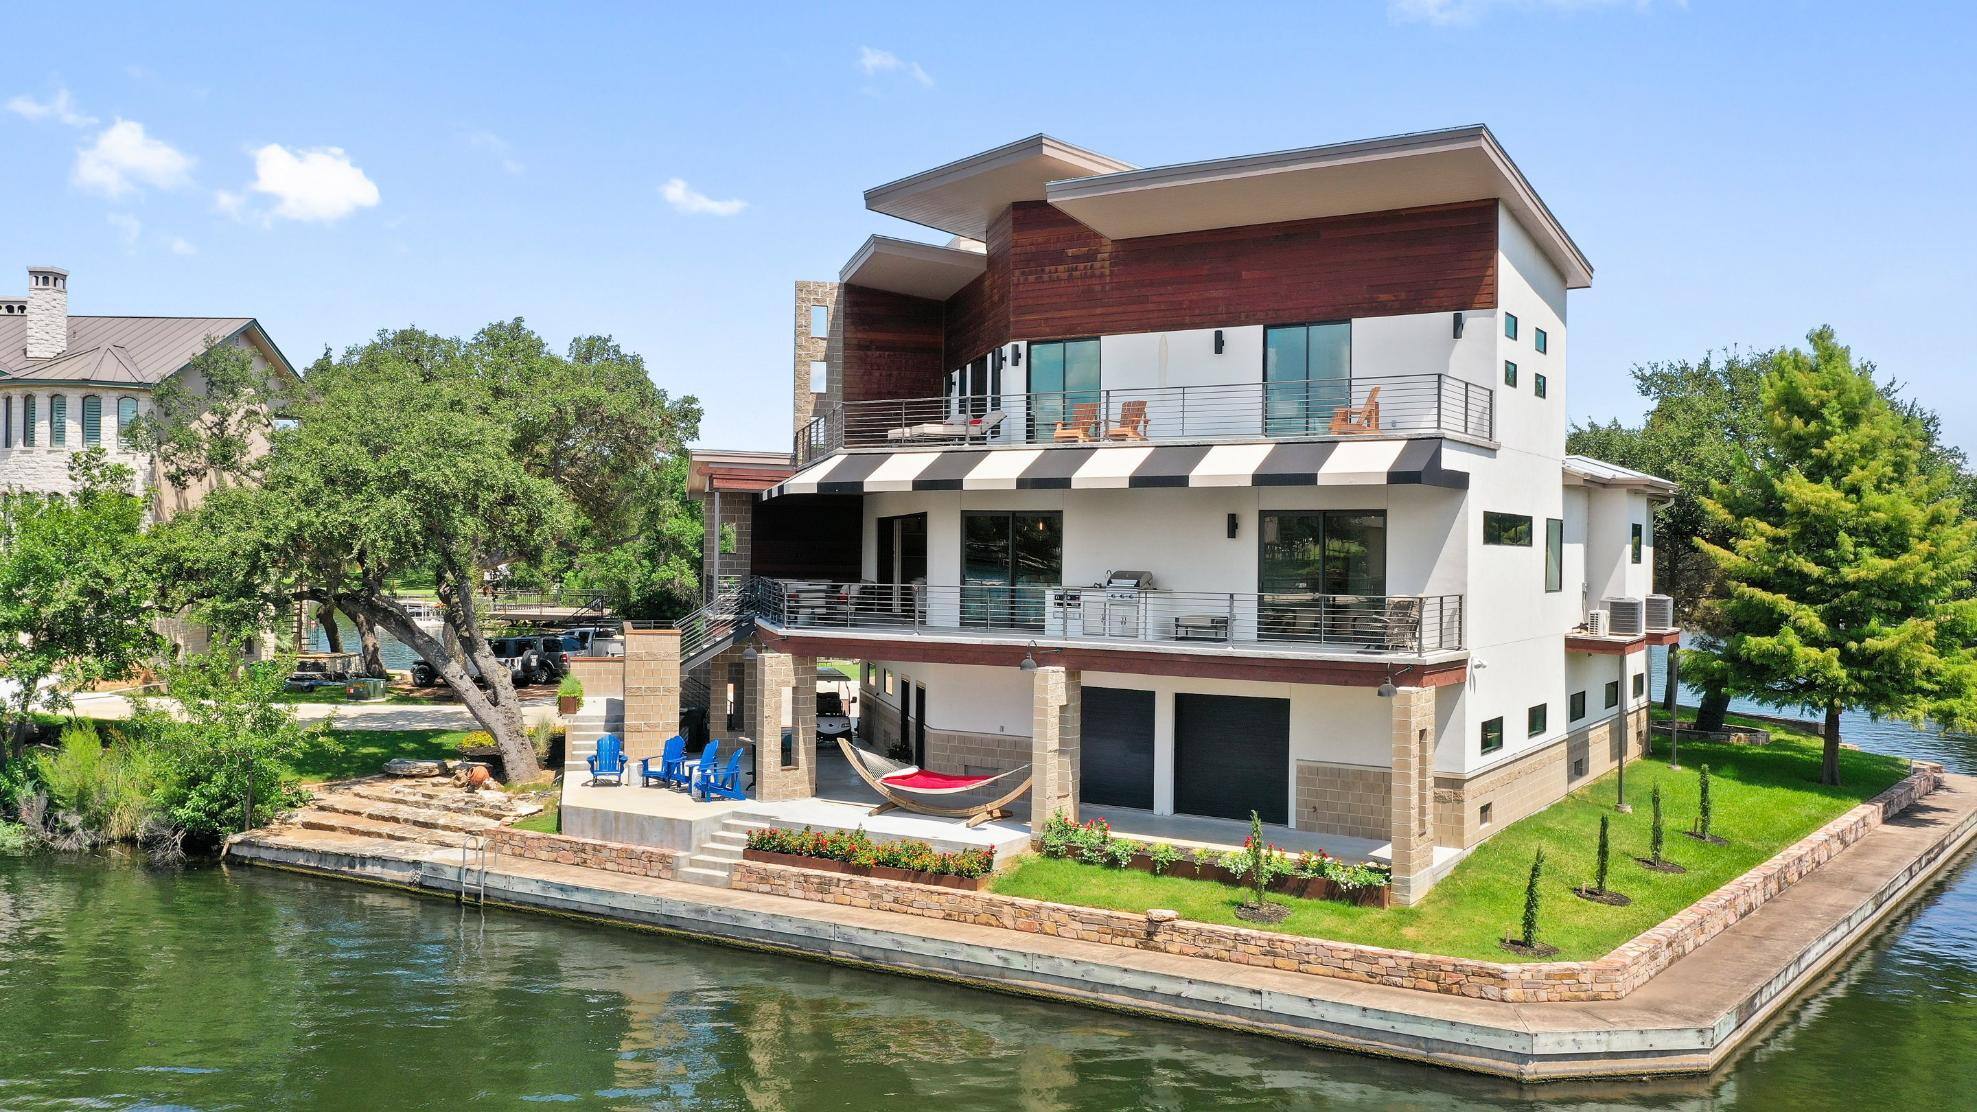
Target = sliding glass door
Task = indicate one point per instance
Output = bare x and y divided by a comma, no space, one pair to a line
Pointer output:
1007,562
1307,374
1321,573
1063,375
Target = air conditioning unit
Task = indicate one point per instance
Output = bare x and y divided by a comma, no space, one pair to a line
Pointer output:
1596,622
1660,612
1624,617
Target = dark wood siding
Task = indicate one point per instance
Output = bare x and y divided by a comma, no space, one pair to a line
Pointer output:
1067,280
892,345
1115,748
1232,755
978,315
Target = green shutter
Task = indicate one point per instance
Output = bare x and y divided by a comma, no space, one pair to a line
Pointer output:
27,421
58,420
92,421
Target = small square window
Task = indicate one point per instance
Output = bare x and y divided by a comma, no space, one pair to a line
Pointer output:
1578,705
1485,814
1539,340
1493,735
1640,684
1510,326
820,321
1509,373
1538,385
1578,768
1534,719
819,376
1612,693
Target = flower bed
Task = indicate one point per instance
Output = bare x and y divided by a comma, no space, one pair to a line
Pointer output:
854,851
1304,875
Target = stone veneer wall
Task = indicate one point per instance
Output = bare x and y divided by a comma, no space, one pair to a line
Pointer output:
1608,978
1353,800
1529,782
561,849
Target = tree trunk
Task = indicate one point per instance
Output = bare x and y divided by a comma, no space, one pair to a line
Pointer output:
517,752
1715,704
1829,770
1670,695
332,633
367,637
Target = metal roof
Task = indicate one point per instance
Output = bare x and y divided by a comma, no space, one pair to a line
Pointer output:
140,351
1601,473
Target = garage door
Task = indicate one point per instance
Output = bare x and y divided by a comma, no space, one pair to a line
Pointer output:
1115,762
1232,754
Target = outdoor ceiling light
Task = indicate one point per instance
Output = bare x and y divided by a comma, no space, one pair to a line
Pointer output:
748,651
1029,662
1387,689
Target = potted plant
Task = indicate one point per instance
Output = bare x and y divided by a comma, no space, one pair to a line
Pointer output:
569,695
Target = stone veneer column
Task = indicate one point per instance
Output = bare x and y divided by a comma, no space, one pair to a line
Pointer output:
1057,712
652,690
1412,826
775,780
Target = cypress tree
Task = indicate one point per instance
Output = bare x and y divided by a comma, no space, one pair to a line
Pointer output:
1605,850
1845,554
1702,804
1531,901
1655,832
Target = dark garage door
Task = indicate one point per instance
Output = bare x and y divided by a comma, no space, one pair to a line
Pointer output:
1232,754
1115,762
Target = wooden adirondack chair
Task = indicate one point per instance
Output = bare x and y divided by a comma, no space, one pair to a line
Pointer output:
1350,419
1131,424
1082,427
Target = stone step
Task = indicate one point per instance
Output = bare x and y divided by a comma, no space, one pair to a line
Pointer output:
456,801
422,817
358,826
711,878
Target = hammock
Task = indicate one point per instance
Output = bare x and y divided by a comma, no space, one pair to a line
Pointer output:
912,788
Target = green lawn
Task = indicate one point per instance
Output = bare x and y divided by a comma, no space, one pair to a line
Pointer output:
334,696
547,821
363,752
1764,799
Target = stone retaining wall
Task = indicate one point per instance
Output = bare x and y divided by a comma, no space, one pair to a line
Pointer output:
561,849
1607,978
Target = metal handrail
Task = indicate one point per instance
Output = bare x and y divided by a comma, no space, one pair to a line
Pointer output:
1384,623
1304,408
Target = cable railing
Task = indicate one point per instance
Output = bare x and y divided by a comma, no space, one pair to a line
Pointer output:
1360,406
1404,624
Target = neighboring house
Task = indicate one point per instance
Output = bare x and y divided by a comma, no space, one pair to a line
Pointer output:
73,382
1223,487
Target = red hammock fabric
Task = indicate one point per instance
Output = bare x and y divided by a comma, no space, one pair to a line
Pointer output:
921,780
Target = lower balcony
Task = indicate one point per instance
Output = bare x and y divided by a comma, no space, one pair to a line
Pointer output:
1293,623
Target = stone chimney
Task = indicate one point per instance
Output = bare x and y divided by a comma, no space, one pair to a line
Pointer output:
47,312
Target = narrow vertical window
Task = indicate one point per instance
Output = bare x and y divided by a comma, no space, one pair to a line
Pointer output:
7,426
27,421
126,418
819,376
820,322
1510,326
1634,547
58,420
92,420
1578,705
1534,719
1554,554
1540,341
1509,373
1538,384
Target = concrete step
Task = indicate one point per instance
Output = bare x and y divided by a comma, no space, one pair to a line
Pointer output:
711,878
356,825
424,818
711,853
729,838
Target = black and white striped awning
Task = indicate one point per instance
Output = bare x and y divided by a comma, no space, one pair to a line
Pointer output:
1123,466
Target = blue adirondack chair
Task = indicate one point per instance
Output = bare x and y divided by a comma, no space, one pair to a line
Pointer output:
609,760
721,780
687,771
667,764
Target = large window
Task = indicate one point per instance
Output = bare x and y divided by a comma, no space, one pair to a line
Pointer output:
92,420
58,420
1007,562
1063,376
1554,554
1506,529
1323,575
1307,374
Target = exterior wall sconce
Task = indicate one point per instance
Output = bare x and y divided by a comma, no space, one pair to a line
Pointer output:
1218,341
1029,663
1015,355
998,358
1458,326
1233,519
749,651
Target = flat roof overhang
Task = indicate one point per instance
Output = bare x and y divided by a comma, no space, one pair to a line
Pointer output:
1369,175
964,196
915,269
1616,645
743,471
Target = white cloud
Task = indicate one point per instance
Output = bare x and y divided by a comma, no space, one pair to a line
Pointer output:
60,107
180,246
501,149
689,200
1449,13
124,158
319,184
128,226
873,62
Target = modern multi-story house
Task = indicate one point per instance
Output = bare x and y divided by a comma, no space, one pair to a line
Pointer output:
68,383
1221,487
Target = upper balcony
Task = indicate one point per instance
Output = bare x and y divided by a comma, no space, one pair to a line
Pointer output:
1356,408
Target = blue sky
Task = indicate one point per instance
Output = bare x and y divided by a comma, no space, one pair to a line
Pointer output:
1738,172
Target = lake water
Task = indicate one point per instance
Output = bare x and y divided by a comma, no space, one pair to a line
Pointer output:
247,988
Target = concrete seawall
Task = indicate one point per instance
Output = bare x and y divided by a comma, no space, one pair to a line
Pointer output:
1686,1020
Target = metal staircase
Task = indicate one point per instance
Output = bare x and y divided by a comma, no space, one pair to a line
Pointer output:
727,618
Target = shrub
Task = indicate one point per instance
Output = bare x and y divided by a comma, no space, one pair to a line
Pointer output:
570,688
1122,852
109,790
1163,856
13,839
223,757
542,738
855,847
1530,935
478,739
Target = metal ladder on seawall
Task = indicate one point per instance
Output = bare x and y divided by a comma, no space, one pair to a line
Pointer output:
473,858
